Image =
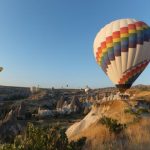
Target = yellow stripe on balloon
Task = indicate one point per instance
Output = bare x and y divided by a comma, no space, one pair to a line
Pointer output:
99,62
139,28
104,50
124,35
132,31
109,45
100,57
116,40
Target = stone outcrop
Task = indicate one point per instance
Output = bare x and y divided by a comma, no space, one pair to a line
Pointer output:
112,109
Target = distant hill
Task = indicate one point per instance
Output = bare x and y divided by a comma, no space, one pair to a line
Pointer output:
12,93
141,86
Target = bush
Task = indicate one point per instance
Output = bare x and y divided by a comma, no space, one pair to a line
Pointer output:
113,125
131,111
137,112
142,110
77,145
51,138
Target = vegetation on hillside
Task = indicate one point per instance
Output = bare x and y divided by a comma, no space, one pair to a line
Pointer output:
113,125
137,112
47,138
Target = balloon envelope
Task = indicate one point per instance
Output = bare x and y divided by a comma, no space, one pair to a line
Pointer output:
122,50
1,69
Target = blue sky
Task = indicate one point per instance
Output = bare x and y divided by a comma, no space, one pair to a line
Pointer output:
50,42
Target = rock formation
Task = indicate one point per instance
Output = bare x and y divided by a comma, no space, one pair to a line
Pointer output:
112,109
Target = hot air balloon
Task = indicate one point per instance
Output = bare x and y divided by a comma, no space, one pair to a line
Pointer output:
1,69
122,50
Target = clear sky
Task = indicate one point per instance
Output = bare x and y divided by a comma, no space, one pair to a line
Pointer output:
50,42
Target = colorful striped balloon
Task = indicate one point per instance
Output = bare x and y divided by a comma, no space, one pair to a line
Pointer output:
122,49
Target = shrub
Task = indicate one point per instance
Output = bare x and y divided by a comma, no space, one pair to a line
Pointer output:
137,112
77,145
131,111
142,110
128,111
50,138
113,125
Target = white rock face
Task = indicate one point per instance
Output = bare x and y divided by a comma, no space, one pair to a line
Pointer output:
112,109
92,117
44,112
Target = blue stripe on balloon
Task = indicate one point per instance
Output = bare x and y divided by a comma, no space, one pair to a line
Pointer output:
132,40
117,49
111,54
124,44
140,37
148,32
103,65
146,36
106,59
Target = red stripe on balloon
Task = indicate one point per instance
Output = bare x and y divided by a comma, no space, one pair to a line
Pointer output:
103,45
99,51
109,39
133,71
116,34
124,30
139,24
131,26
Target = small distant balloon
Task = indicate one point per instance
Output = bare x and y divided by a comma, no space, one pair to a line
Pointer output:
87,89
1,69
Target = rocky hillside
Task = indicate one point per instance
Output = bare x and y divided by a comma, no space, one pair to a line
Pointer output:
114,124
